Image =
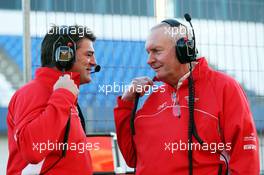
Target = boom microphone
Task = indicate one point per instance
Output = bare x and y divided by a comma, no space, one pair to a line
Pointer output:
96,69
187,17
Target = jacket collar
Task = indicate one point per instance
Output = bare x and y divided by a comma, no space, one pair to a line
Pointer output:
199,69
49,76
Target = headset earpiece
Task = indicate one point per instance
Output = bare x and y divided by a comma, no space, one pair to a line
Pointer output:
181,49
184,47
64,49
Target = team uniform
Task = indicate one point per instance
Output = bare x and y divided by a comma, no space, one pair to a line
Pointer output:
37,115
223,121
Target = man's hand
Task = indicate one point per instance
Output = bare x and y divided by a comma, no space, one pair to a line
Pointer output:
67,83
138,85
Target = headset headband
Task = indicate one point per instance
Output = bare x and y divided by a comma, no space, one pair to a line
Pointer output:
172,22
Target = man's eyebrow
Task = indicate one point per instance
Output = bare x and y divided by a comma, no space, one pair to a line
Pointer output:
155,48
158,47
89,52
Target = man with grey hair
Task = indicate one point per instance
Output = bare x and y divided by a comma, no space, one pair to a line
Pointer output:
200,124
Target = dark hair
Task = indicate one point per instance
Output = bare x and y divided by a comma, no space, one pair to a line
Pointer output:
77,33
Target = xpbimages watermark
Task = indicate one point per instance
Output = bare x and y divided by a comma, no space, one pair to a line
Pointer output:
177,32
66,30
121,88
80,147
182,146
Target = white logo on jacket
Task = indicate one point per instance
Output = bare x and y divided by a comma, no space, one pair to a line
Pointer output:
163,105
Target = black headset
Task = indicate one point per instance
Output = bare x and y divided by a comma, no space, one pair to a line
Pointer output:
64,49
184,47
186,52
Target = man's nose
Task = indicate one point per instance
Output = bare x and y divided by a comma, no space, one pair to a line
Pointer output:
151,59
92,61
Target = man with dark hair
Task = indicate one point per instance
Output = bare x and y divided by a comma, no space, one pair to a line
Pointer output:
76,32
44,124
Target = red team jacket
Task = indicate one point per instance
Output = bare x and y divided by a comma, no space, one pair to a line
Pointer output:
36,119
223,121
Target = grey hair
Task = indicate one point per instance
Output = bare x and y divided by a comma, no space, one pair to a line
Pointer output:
174,33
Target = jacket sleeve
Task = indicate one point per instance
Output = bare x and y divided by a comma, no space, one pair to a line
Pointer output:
35,126
239,131
122,113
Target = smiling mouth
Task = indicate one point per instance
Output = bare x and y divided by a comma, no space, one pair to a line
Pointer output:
156,68
89,70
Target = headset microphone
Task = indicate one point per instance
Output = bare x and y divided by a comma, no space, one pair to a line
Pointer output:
96,69
188,18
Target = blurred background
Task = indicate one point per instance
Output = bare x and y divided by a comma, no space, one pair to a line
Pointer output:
230,34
